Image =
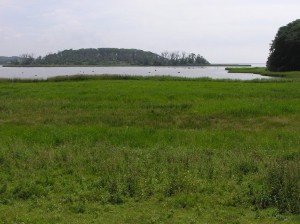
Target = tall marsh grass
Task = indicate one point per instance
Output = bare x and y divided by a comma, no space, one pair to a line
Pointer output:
229,145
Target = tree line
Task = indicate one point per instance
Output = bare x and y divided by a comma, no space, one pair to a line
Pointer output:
4,60
285,49
112,56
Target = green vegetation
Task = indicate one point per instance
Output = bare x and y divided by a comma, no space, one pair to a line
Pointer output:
111,56
149,151
285,49
265,72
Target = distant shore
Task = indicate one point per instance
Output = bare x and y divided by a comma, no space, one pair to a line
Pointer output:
128,65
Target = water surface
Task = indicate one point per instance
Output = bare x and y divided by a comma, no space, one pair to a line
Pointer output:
214,72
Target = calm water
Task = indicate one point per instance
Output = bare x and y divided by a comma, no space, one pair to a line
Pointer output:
191,72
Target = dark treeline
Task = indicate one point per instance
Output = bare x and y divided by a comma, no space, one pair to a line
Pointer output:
112,56
5,60
183,58
285,49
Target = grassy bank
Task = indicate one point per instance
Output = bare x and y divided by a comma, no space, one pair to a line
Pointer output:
149,151
263,71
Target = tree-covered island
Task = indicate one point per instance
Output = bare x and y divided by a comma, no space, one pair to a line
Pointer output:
111,56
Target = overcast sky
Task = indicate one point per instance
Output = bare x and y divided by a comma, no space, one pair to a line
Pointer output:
225,31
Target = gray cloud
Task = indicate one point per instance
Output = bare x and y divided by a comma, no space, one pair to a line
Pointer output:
222,31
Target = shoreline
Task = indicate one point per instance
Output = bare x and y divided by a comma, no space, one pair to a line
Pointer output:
264,72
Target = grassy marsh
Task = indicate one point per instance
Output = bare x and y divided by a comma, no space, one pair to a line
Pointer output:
265,72
112,150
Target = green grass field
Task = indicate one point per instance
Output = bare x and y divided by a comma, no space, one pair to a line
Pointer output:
149,150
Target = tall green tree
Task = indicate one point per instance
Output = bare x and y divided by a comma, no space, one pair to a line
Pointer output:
285,49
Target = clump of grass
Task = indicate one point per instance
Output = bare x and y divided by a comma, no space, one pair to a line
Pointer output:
281,187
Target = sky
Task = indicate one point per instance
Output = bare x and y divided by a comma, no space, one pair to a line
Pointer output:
222,31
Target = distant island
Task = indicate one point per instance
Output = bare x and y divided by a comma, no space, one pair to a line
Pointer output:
110,57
